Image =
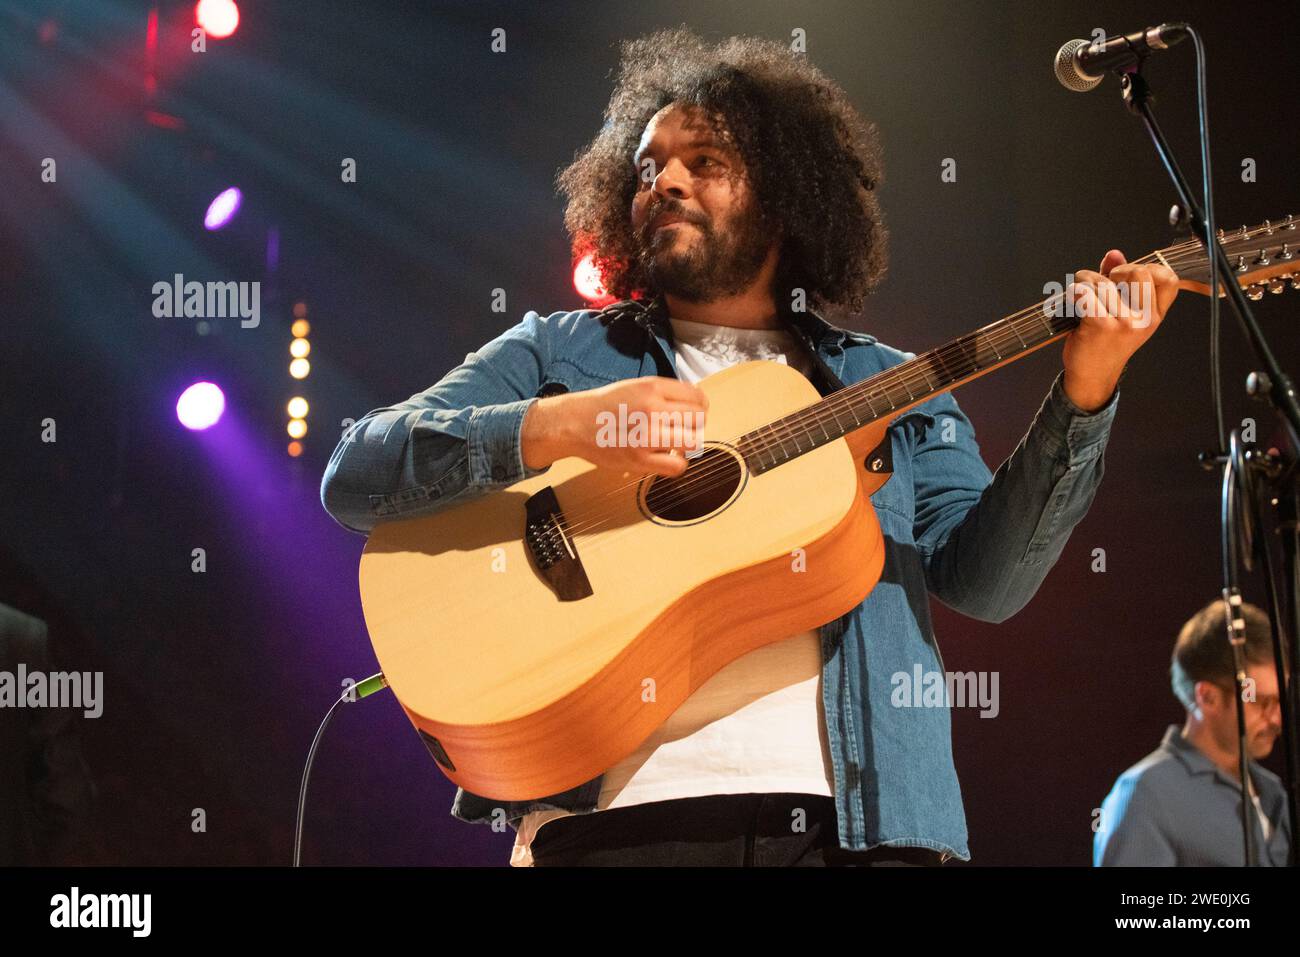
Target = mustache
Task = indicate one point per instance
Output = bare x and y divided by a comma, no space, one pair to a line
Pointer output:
671,208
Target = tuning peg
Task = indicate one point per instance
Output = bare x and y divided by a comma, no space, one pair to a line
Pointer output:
1290,222
1245,233
1268,229
1276,285
1241,264
1255,292
1295,282
1285,252
1258,385
1262,259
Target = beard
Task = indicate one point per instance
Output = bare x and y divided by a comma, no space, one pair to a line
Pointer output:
711,265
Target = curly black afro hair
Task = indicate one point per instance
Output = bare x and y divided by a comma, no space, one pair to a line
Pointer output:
813,161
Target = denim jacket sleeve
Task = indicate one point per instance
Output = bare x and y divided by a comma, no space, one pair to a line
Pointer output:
458,438
987,542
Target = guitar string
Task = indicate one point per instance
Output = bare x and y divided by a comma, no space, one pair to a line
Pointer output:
776,434
791,431
796,424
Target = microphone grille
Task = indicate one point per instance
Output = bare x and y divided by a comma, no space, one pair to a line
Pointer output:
1067,69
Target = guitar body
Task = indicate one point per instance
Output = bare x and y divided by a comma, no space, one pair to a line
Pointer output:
520,694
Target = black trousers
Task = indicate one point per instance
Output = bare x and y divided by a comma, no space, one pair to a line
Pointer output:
721,830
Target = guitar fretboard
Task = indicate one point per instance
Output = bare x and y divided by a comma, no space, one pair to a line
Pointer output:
1264,257
905,384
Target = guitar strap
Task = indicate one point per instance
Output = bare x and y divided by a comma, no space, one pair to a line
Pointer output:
653,314
825,380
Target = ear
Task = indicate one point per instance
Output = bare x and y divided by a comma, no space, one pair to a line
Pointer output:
1209,696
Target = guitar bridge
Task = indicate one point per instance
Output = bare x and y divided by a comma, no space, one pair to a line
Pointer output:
551,549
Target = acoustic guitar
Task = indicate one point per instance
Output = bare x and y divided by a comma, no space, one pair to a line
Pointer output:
537,635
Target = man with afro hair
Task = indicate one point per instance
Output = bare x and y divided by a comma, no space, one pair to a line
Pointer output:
731,197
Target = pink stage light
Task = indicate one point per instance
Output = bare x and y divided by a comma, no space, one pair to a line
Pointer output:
222,209
218,18
200,406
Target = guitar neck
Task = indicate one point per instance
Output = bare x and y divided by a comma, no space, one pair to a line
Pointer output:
907,384
1264,259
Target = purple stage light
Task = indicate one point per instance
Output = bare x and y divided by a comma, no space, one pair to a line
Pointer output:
200,406
222,209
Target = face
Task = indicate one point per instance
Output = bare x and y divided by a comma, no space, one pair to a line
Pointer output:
1263,715
689,171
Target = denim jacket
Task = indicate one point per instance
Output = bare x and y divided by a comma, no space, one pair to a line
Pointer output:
980,543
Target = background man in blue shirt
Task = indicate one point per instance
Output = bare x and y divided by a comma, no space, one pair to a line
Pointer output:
1180,806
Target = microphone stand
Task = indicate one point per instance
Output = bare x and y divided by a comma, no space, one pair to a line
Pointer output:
1285,489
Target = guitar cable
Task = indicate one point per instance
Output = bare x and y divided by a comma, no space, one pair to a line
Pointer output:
351,694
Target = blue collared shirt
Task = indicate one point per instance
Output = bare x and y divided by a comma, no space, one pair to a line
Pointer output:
1177,808
978,542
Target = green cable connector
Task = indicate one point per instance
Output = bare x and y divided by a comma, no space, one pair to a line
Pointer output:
370,685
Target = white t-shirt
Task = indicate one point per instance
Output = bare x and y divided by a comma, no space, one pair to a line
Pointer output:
758,725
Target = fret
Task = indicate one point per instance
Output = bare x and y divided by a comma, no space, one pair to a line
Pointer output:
928,384
951,364
1042,314
830,404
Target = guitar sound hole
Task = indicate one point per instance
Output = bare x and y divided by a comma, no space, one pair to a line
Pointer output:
708,483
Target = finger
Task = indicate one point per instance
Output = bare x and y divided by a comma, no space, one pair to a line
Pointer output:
1139,291
679,391
1084,299
692,414
1112,259
664,463
1166,281
1095,296
674,438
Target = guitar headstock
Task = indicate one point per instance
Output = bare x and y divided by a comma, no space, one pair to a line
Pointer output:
1265,258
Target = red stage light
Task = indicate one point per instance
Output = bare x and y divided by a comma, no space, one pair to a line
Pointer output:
587,280
218,18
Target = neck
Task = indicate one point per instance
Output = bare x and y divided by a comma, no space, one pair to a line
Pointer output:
900,387
748,310
1198,734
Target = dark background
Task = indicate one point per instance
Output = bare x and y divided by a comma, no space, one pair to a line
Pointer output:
215,682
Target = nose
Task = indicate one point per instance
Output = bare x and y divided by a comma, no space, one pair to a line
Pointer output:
672,180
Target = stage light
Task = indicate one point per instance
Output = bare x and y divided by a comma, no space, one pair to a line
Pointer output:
299,368
587,279
297,428
297,407
222,209
200,406
299,348
295,449
218,18
300,328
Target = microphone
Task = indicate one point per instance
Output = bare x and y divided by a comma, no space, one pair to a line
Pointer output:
1081,65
